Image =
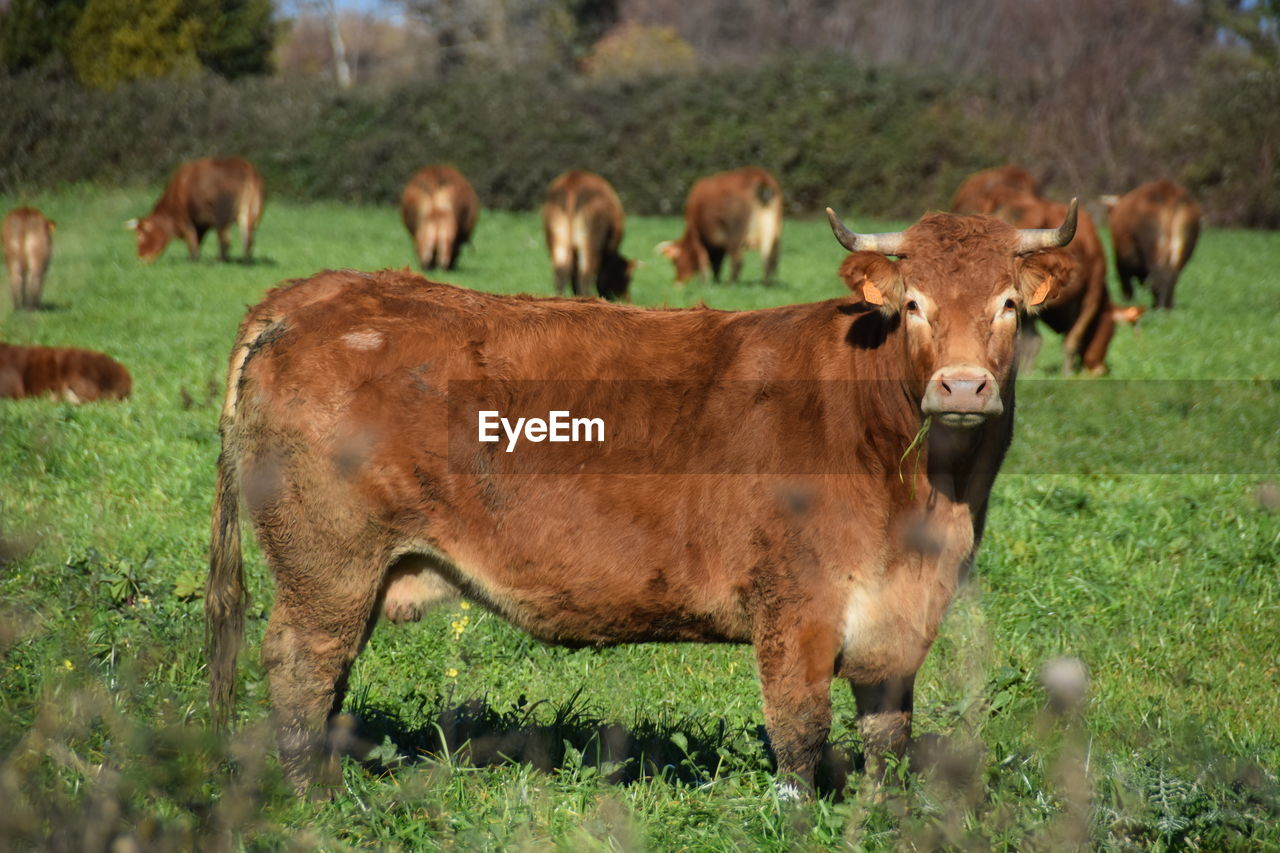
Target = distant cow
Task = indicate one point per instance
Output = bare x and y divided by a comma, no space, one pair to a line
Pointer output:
28,246
727,213
759,477
440,208
583,221
979,192
73,375
203,194
1082,311
1154,229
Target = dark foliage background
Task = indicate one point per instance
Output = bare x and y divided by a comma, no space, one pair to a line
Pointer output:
871,141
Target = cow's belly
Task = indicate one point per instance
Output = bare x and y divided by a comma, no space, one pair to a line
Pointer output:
599,603
553,561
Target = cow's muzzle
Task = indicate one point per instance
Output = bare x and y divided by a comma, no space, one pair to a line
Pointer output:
963,395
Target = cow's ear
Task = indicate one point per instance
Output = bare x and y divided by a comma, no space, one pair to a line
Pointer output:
874,281
1041,277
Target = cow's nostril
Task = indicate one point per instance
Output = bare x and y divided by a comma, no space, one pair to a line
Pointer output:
946,389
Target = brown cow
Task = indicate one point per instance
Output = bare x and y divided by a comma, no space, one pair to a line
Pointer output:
725,214
1154,228
583,221
1082,311
439,207
979,193
28,246
750,483
203,194
73,375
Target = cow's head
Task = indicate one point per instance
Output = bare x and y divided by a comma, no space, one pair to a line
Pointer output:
152,237
683,256
956,286
614,280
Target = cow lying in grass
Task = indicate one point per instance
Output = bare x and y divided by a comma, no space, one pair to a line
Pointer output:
73,375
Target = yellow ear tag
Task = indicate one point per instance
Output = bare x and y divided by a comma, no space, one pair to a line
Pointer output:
871,293
1041,292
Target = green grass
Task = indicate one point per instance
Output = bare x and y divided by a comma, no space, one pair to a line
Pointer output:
1165,584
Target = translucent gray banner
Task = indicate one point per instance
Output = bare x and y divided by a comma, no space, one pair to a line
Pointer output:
1069,426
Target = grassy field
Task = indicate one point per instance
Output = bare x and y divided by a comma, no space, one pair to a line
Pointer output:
1136,527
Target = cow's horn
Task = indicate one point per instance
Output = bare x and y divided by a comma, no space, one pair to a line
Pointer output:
886,244
1034,239
132,224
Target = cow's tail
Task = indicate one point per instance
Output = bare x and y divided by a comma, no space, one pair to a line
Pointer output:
225,598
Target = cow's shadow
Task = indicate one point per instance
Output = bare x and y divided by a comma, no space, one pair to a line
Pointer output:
477,734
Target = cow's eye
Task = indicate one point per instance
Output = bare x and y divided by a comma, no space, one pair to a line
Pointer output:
1010,305
913,307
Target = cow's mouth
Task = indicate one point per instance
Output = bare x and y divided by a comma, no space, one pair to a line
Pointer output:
961,420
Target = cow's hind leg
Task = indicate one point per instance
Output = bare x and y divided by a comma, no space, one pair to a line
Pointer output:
884,719
224,244
17,282
322,615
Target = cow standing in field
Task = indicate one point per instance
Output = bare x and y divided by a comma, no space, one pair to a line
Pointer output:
1154,228
761,477
28,247
73,375
728,213
583,221
1081,311
439,207
981,191
203,194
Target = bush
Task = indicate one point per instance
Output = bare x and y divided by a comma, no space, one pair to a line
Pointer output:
869,142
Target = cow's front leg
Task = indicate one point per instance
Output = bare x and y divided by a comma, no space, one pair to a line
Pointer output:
796,667
884,719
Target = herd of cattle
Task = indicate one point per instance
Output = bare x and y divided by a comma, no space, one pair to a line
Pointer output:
811,479
1154,229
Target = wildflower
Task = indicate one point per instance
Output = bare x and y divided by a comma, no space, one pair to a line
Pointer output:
68,664
452,672
466,605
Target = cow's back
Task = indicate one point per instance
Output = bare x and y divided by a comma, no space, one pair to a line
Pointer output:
1155,226
212,193
439,191
981,191
738,208
27,237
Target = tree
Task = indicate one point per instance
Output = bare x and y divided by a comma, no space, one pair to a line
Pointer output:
116,41
237,36
32,32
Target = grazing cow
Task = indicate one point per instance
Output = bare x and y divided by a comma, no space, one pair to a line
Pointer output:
73,375
28,246
439,207
979,193
203,194
811,479
1154,228
725,214
583,221
1082,311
